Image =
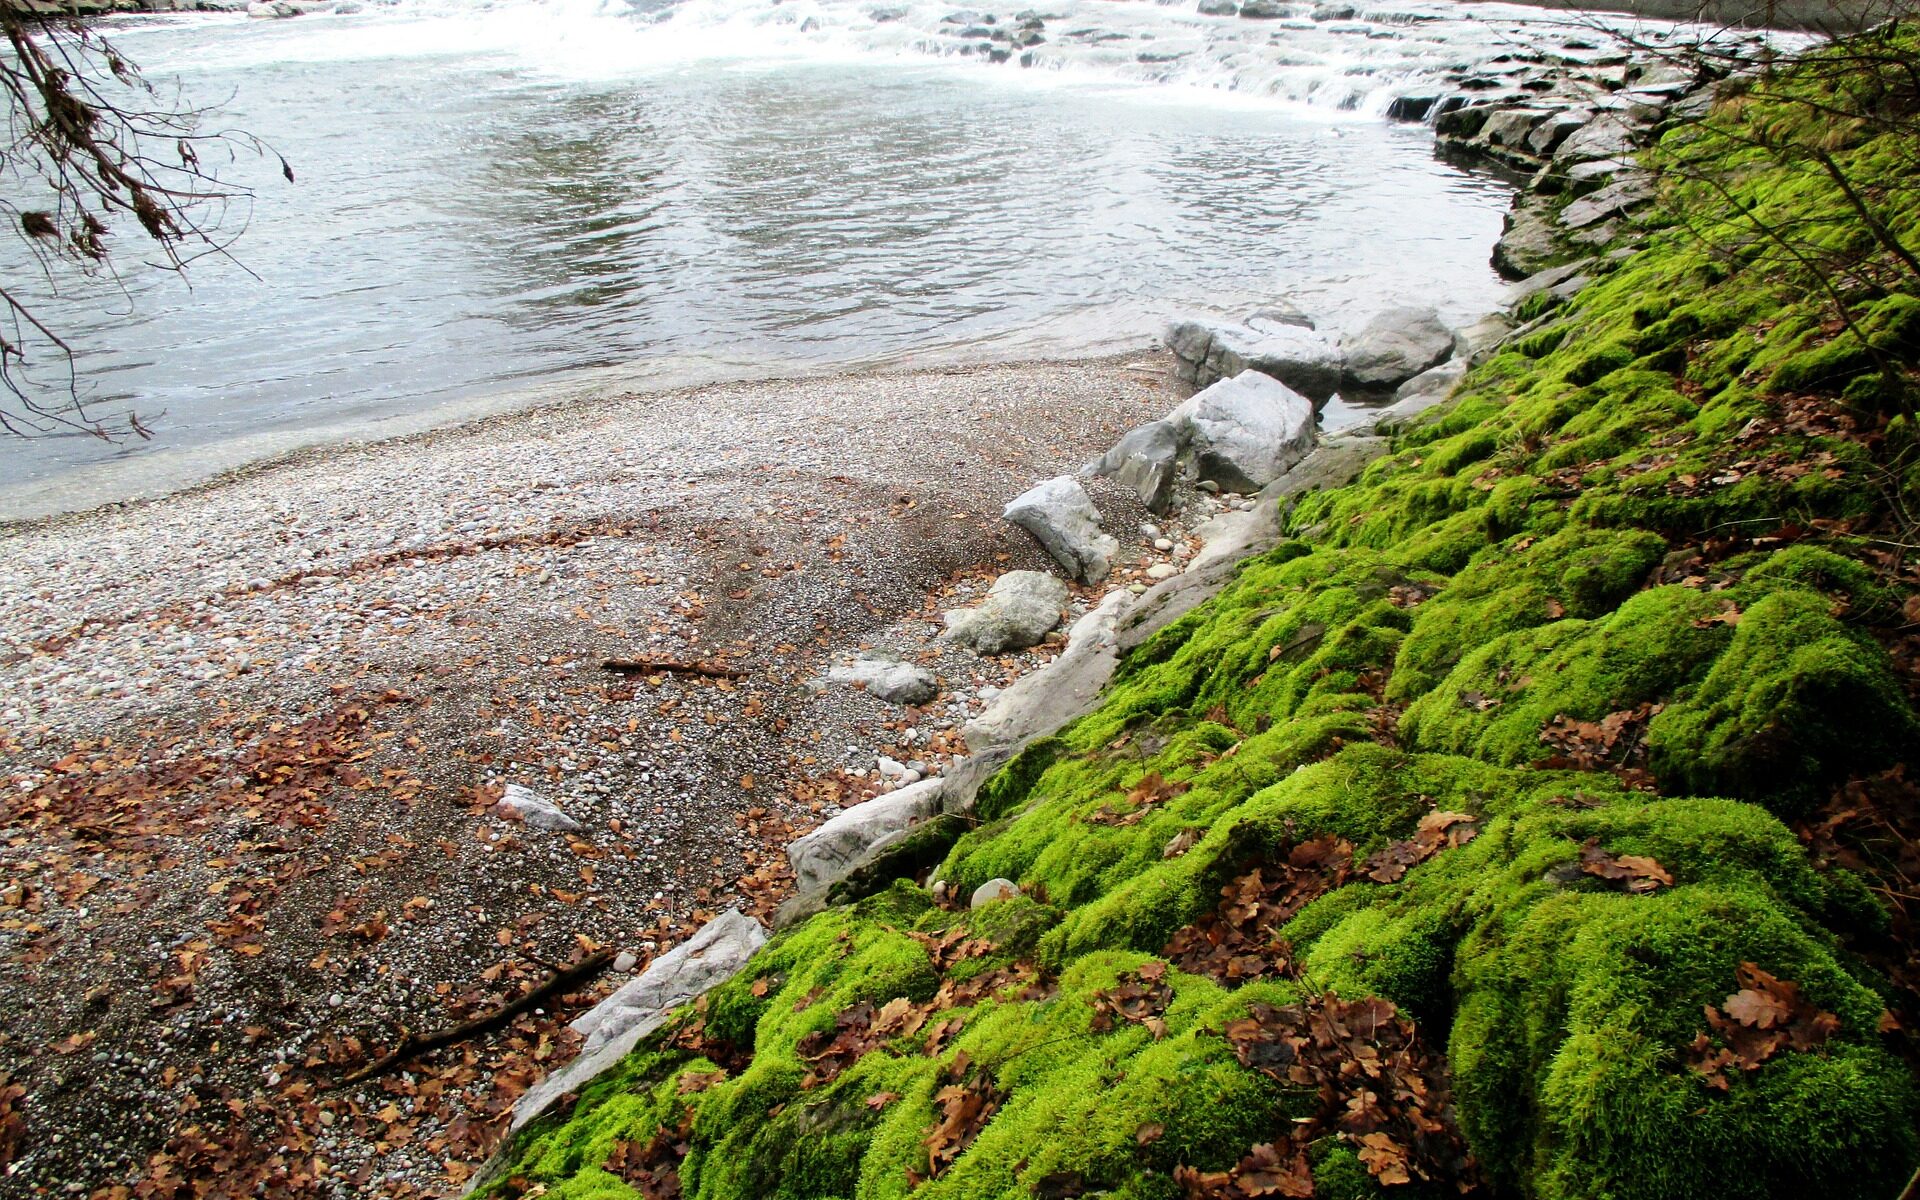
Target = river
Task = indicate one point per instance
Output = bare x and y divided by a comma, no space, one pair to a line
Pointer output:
502,203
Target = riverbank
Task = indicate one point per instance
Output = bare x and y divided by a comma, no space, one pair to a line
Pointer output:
254,733
1533,820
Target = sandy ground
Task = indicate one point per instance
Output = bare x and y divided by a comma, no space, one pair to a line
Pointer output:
250,737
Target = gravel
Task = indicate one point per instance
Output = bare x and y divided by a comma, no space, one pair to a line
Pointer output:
460,591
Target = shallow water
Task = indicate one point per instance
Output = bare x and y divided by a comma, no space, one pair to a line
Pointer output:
490,197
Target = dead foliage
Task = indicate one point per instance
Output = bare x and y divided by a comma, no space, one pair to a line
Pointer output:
1140,997
1633,872
1141,799
1765,1016
966,1104
1379,1088
1240,940
652,1168
1615,743
1437,831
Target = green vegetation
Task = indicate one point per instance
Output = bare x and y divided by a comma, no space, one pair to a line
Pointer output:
1617,612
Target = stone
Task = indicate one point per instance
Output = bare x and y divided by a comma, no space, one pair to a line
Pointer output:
535,811
1584,177
1278,313
641,1005
1246,431
1616,199
1474,341
1061,516
1395,346
887,678
624,962
1543,281
1021,608
1547,135
1606,136
993,889
1528,244
1295,355
823,857
1147,460
1334,12
1159,571
1219,8
1042,701
1509,127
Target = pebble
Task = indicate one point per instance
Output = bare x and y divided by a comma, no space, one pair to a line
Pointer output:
1162,571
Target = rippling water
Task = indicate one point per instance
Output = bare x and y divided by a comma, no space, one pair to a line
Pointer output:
491,196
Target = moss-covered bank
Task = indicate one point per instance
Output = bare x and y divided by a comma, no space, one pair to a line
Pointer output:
1513,731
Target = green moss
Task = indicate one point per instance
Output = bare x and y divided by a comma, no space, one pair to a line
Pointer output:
1571,535
1797,702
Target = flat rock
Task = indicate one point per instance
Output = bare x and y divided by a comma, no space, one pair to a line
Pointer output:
535,811
1147,460
1246,431
1543,281
888,678
1395,346
1042,701
1288,351
1547,134
1061,515
823,857
1616,199
615,1025
1021,608
1608,135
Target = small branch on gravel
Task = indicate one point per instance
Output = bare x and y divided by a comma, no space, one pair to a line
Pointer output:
410,1046
656,666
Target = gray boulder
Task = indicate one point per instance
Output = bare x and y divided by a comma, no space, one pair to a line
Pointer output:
1616,199
1548,134
535,811
888,678
1528,244
1061,515
1395,346
1246,431
1219,8
1294,354
641,1005
1021,608
1509,127
823,857
1041,701
1606,136
1147,460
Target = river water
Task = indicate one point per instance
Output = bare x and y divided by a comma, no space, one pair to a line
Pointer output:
499,203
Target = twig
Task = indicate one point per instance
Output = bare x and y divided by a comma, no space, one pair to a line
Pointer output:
411,1045
658,666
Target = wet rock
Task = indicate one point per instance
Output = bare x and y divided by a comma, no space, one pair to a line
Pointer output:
1334,12
1395,346
1219,8
1246,431
613,1026
1147,460
1547,134
1616,199
991,890
534,810
1529,244
1553,279
1606,136
1265,10
1296,356
1278,312
888,678
1509,127
1021,608
1061,515
823,857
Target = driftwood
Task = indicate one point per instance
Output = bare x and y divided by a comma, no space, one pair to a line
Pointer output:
658,666
412,1045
